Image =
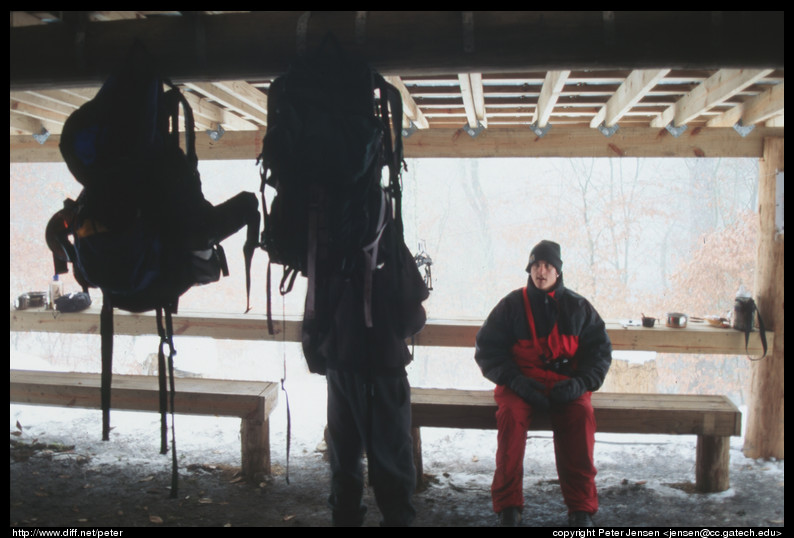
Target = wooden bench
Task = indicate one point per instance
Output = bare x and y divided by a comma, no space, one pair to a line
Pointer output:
714,419
252,401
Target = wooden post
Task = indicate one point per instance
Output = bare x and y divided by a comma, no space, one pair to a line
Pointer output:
255,443
764,437
712,463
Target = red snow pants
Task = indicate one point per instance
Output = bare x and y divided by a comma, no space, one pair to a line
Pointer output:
574,437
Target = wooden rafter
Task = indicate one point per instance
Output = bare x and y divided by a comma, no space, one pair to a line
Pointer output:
759,109
209,115
633,89
231,101
471,91
549,94
719,87
411,110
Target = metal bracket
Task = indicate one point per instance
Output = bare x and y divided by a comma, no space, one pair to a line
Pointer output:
608,131
216,134
675,131
41,136
743,129
540,132
474,131
411,129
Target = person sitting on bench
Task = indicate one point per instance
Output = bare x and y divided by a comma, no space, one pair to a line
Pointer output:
546,348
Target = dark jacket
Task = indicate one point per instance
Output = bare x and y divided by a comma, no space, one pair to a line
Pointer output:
576,319
338,337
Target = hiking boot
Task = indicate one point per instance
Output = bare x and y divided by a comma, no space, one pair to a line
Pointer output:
510,517
579,519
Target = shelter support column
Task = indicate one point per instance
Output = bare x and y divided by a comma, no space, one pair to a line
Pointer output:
764,437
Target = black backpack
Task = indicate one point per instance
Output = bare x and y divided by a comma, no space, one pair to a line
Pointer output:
334,124
141,230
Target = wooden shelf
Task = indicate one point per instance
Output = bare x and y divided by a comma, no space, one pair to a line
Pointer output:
695,338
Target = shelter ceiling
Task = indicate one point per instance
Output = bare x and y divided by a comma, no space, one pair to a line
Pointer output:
583,97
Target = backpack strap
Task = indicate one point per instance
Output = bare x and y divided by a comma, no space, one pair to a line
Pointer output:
314,215
371,258
175,98
761,333
106,331
251,243
167,388
391,110
57,237
162,378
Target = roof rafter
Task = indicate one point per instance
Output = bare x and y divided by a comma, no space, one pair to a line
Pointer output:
758,109
549,94
21,123
229,100
634,88
215,115
411,110
471,92
719,87
36,111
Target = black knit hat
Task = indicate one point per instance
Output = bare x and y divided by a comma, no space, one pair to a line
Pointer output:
547,251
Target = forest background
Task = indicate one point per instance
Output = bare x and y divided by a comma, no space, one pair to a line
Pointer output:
639,236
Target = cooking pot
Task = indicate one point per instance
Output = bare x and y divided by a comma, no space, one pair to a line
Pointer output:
676,320
648,321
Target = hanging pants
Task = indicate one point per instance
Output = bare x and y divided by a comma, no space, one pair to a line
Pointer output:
372,416
574,429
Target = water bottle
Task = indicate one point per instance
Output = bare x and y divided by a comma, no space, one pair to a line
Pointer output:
55,291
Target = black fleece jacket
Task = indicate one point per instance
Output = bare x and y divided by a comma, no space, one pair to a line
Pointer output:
576,320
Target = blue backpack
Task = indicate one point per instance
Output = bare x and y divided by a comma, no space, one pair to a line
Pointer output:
141,230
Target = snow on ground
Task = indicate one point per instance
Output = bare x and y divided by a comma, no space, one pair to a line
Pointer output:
463,460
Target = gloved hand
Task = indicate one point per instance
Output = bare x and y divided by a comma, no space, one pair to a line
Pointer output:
567,390
531,391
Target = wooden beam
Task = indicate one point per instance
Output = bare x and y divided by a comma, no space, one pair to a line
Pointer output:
411,110
634,88
549,94
473,99
719,87
229,100
28,108
42,101
693,339
493,142
756,110
27,125
250,95
211,112
581,142
247,46
478,97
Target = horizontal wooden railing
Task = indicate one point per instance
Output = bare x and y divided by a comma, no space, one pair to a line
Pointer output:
696,338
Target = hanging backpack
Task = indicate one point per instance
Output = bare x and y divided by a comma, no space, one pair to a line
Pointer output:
141,230
334,124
